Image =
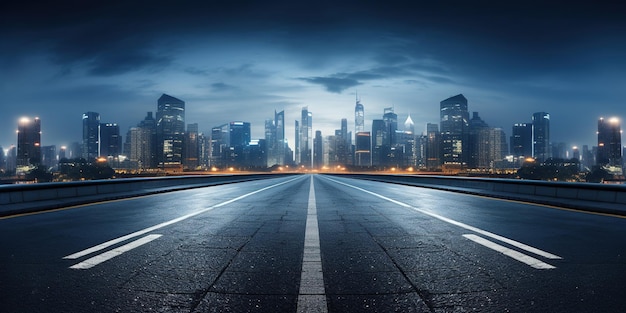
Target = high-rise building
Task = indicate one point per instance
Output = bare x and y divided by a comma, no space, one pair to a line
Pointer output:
433,148
318,151
522,140
91,136
476,126
541,136
297,136
359,117
110,140
609,142
191,147
454,133
306,138
363,149
149,139
378,134
28,142
170,123
49,156
275,139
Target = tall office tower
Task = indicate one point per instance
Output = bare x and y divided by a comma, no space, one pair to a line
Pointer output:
476,125
3,160
609,142
239,139
306,138
409,143
588,158
363,149
359,117
454,133
280,142
28,142
191,147
170,124
220,140
275,139
409,126
297,158
140,152
343,144
492,147
110,140
378,134
49,156
541,136
344,130
433,148
318,151
149,140
91,136
391,125
11,159
522,140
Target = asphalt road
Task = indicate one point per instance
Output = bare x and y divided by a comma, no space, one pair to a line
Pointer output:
313,242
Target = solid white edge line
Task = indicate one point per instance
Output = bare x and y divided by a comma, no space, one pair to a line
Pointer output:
510,252
312,294
468,227
91,262
109,243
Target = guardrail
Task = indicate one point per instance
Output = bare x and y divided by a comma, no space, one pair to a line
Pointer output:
37,197
541,191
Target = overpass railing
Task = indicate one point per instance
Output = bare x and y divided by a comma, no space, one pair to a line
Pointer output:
23,198
611,198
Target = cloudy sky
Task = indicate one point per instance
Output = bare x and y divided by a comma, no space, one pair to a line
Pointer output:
241,60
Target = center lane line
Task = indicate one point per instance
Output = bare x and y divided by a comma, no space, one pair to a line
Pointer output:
312,295
109,243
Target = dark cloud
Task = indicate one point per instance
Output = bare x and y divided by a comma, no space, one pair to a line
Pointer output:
221,87
333,84
120,63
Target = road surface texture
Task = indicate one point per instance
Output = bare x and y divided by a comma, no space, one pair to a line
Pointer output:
312,243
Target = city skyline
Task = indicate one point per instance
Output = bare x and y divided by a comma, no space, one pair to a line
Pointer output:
230,62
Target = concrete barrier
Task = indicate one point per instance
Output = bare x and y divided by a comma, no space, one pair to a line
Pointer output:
595,197
15,199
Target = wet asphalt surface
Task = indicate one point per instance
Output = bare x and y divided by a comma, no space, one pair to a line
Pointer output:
377,255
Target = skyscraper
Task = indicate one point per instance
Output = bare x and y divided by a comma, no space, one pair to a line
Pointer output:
318,153
170,122
359,117
363,150
541,136
433,148
476,126
609,142
275,139
91,136
110,140
306,138
522,140
454,132
28,142
191,147
378,131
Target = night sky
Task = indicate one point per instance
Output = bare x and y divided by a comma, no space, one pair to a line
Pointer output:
234,60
